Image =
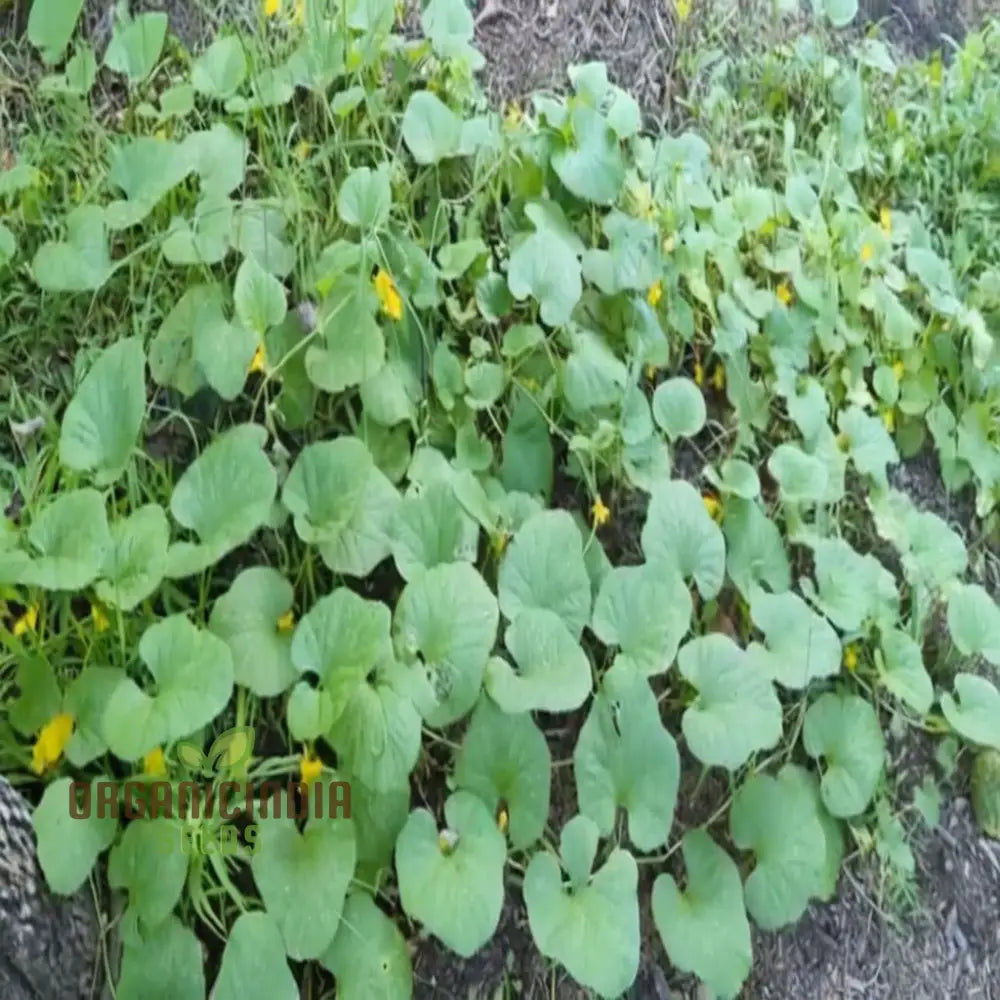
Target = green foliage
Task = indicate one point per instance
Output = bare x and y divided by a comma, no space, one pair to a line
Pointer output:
409,358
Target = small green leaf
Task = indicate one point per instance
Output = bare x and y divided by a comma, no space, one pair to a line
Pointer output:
593,168
83,262
259,297
802,478
844,732
364,200
154,887
253,962
455,890
543,267
51,24
220,70
904,673
136,45
976,712
974,622
431,130
679,408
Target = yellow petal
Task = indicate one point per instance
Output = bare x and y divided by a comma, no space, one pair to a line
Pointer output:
272,8
699,373
683,8
898,370
784,293
850,659
154,763
287,621
712,505
101,623
889,419
866,252
719,378
885,220
27,622
310,768
259,362
600,513
655,293
51,742
502,820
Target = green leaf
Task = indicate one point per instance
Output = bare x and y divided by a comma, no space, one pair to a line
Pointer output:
105,414
365,198
566,925
843,732
83,262
705,929
776,819
224,496
253,963
736,712
220,70
193,674
679,532
303,879
8,245
246,619
755,549
625,758
431,130
136,45
455,891
802,478
68,847
840,12
369,956
72,538
343,504
165,964
592,169
219,156
799,645
153,875
146,170
870,446
679,408
505,759
51,24
528,455
852,587
86,699
223,351
445,625
431,528
903,671
976,713
136,559
645,612
593,376
543,267
259,297
553,672
974,622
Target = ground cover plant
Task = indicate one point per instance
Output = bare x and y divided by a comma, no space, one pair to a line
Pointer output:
371,382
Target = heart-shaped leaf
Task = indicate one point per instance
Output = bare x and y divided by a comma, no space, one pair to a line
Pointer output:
136,559
975,714
253,963
165,964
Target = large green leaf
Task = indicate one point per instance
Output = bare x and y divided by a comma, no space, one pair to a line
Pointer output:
246,619
505,760
224,496
544,568
68,847
253,962
446,625
103,418
51,24
303,879
755,550
369,956
625,758
136,560
843,732
453,882
974,622
705,928
193,671
601,907
259,297
736,712
553,672
679,533
593,167
975,714
799,645
220,69
776,819
431,130
136,45
81,263
903,672
364,199
543,267
165,964
154,886
645,611
431,528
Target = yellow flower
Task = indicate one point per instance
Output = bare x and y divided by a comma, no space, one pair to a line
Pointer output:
699,373
712,505
301,151
600,513
850,659
27,622
866,253
889,419
503,818
898,370
719,378
51,742
272,8
287,621
683,8
154,763
259,363
310,768
784,294
101,623
655,293
388,297
885,220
